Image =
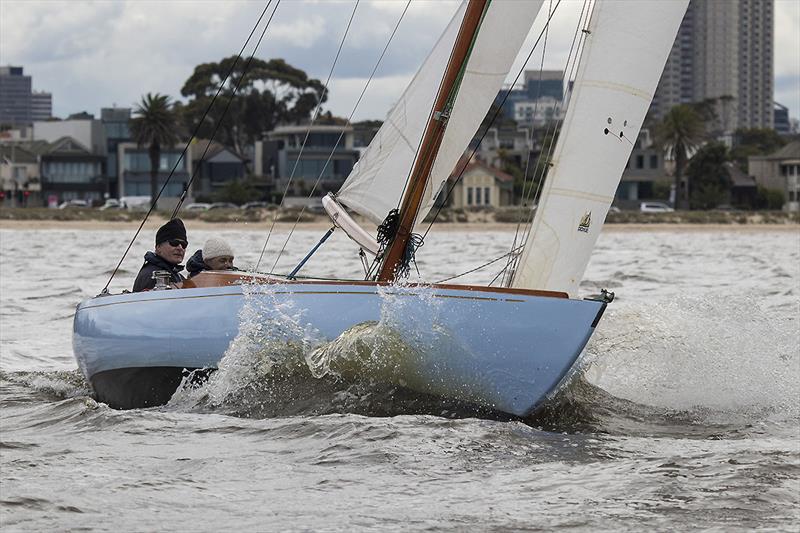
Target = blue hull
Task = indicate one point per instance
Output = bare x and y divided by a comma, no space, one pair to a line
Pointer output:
505,350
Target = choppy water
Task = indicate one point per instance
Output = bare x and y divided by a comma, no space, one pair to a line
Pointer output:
687,415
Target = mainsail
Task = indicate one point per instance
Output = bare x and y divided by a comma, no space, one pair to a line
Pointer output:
376,184
624,53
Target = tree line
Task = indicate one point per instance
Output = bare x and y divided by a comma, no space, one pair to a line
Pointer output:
702,178
247,104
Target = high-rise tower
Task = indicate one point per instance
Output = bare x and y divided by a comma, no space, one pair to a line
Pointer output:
723,52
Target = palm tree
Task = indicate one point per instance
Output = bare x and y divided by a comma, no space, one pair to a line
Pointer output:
681,132
154,125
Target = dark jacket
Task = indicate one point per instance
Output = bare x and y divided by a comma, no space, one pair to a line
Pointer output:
153,262
195,264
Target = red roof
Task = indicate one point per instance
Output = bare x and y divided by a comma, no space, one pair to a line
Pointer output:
465,165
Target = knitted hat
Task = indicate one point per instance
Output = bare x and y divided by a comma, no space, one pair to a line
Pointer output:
174,229
216,248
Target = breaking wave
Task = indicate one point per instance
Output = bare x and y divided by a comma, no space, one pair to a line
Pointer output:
279,365
709,363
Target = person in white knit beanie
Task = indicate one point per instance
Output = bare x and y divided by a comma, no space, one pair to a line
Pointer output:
216,254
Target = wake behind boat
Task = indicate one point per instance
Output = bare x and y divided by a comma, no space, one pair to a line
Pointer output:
507,347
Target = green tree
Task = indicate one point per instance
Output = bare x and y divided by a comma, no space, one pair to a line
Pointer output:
708,176
154,125
755,141
270,92
681,132
772,199
237,192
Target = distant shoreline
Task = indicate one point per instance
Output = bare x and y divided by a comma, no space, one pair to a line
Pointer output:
501,219
153,223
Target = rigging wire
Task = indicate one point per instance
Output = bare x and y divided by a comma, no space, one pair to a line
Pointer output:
422,136
341,135
484,265
194,134
224,112
555,128
415,240
540,170
314,117
494,117
529,147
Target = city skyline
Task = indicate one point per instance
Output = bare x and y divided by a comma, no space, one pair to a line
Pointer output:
88,62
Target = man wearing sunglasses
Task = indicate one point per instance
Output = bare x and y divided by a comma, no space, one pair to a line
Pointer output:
170,248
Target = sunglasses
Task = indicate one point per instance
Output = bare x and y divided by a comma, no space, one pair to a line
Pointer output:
178,242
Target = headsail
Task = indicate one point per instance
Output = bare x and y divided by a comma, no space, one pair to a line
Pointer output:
624,54
376,184
503,30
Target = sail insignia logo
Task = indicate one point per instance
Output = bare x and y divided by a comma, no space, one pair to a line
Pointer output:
586,221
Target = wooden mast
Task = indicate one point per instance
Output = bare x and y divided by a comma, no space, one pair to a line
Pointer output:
432,140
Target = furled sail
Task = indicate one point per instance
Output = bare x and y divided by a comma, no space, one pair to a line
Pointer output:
625,51
376,184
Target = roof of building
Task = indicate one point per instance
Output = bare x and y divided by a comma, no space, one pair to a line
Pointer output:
739,178
199,146
466,165
17,153
68,144
303,128
790,151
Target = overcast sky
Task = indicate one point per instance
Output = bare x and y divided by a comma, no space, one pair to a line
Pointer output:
99,54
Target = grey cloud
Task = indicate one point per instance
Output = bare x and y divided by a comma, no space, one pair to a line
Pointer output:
91,55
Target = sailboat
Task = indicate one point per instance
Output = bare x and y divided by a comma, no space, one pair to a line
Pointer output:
505,348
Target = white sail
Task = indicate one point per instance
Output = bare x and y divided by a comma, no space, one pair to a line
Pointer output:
503,30
625,51
375,185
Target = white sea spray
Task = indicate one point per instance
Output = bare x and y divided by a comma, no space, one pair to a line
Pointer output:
699,353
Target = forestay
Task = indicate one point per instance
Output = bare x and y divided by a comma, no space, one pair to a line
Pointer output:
376,184
624,54
503,30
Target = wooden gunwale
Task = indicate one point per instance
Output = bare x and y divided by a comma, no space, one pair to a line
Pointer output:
222,279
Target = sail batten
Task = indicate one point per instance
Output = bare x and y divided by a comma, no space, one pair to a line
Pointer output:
623,56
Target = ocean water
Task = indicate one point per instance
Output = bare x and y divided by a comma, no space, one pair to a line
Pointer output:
686,414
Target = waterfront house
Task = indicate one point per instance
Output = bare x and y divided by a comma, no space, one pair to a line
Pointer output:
133,171
70,171
480,186
326,160
220,166
645,176
779,171
20,184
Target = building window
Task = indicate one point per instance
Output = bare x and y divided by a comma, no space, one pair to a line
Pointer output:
486,196
477,196
654,161
469,195
639,161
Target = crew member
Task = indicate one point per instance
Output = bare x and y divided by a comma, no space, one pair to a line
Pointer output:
170,248
216,254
